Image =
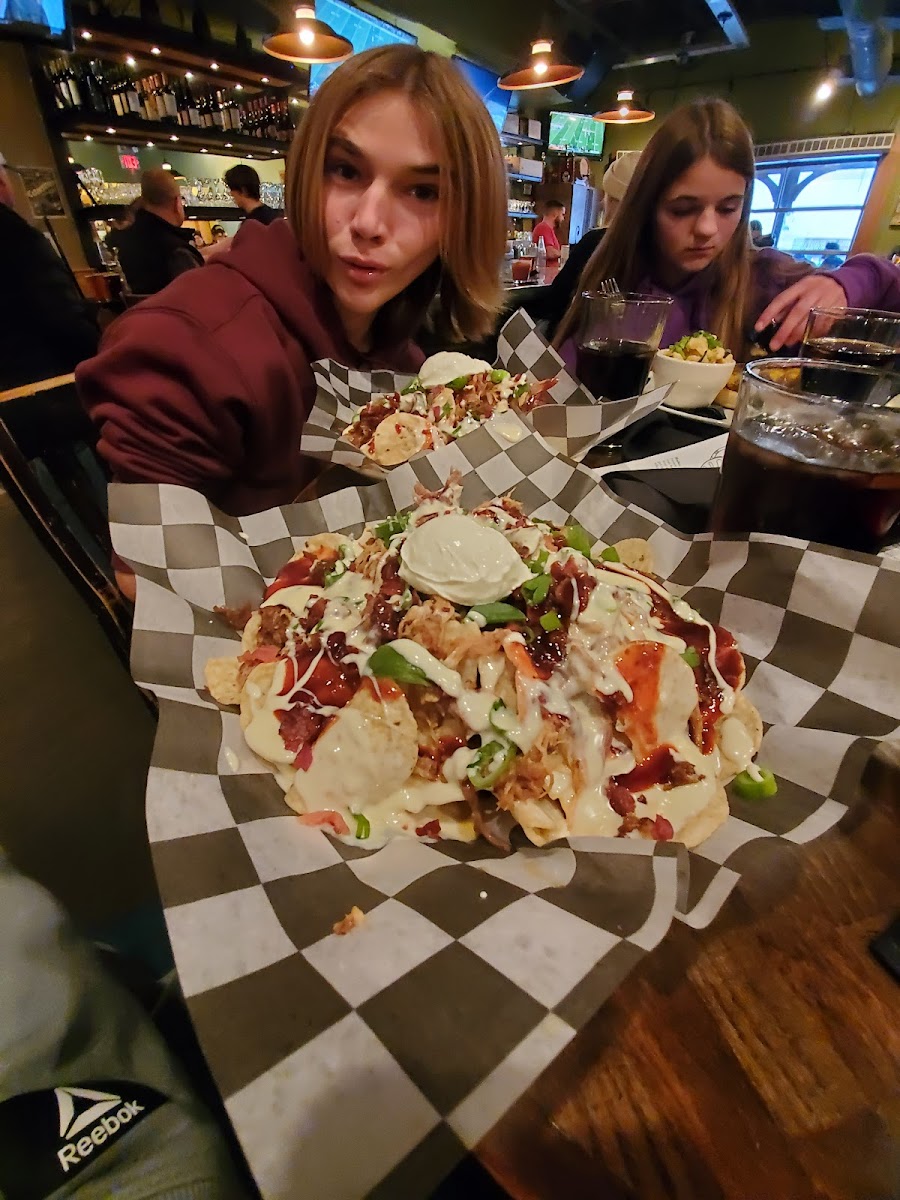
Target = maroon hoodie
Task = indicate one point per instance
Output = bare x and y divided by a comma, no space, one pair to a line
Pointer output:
208,383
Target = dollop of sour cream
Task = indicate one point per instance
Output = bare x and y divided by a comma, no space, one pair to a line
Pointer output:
461,560
449,365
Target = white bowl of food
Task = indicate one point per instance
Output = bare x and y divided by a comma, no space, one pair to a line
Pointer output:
698,366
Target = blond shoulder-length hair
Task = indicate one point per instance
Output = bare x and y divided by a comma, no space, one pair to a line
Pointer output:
473,188
628,253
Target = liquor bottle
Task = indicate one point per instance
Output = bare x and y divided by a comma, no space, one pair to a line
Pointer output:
540,261
206,118
60,87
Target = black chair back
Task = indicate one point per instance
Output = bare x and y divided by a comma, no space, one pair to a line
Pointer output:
50,470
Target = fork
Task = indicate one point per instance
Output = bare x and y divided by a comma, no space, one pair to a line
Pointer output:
609,287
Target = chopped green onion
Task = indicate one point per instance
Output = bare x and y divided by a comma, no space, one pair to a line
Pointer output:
332,576
447,409
536,565
610,554
501,718
522,390
551,621
387,663
490,764
691,657
578,538
498,614
414,385
749,788
363,828
536,590
458,383
498,375
391,527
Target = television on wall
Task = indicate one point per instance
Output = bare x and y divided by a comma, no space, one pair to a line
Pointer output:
359,28
484,82
576,132
36,21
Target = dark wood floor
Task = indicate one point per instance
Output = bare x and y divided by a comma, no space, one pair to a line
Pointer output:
75,741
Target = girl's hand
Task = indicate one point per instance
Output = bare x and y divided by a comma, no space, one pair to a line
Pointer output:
792,307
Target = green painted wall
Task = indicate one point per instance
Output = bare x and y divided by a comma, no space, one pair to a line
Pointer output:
772,85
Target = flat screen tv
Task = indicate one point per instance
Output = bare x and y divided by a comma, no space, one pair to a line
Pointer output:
485,84
36,21
361,29
576,132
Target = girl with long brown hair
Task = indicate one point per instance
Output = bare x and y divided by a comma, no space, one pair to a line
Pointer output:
683,231
396,193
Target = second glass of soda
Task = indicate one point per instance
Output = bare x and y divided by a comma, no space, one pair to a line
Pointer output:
618,338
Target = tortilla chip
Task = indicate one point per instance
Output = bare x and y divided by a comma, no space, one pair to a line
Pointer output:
636,553
699,827
250,635
397,439
222,676
322,541
748,714
727,398
261,677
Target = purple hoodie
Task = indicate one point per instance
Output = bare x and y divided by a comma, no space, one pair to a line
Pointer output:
868,282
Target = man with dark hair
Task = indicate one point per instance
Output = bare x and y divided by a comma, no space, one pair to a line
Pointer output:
154,250
554,215
243,184
46,326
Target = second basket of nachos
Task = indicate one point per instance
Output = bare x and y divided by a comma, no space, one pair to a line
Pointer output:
451,396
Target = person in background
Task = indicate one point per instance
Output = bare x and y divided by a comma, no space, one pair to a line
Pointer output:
759,239
118,224
547,228
550,303
243,184
155,249
397,189
687,236
831,261
197,240
46,325
218,233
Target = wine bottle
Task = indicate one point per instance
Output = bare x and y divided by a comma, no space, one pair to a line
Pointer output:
132,99
150,102
190,106
218,116
170,102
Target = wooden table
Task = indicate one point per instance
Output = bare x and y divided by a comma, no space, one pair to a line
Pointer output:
755,1060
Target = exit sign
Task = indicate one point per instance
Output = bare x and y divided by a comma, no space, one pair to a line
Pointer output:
130,162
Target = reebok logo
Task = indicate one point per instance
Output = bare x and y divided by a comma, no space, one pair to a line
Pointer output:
99,1104
47,1138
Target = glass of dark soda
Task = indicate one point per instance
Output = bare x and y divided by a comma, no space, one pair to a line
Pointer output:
808,465
861,336
618,338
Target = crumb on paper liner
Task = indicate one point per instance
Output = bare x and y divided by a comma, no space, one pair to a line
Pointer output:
571,425
294,1017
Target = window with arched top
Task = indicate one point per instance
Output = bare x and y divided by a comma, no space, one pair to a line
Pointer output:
811,207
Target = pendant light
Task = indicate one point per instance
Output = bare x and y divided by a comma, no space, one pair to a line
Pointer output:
628,110
541,70
311,41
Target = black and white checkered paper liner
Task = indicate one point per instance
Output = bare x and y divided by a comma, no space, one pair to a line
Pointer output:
570,426
410,1037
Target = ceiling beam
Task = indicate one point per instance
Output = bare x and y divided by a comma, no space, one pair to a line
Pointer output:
726,14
